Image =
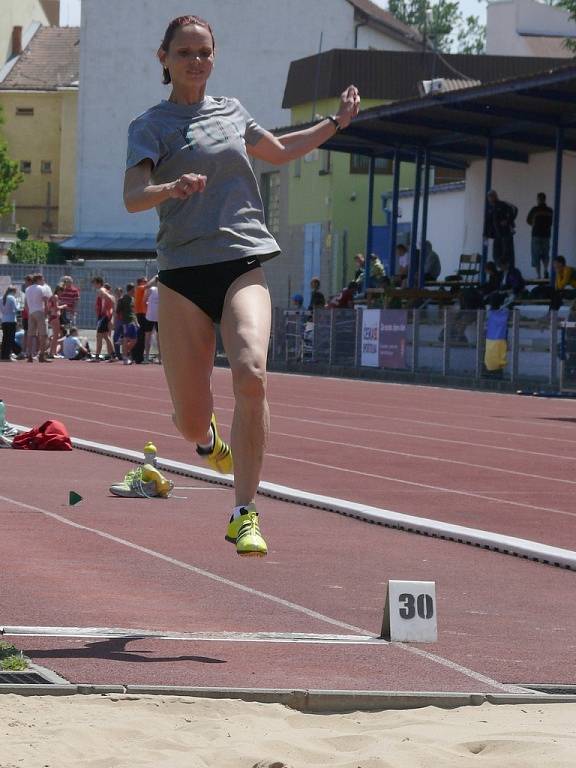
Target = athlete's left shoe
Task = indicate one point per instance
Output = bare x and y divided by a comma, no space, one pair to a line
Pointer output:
220,457
145,482
244,531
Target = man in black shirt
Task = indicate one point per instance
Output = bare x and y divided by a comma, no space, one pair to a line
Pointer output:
540,219
499,226
317,299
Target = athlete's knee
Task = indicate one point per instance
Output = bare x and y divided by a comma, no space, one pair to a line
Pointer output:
250,382
192,426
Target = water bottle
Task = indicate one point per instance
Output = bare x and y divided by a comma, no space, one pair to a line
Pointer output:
150,454
2,416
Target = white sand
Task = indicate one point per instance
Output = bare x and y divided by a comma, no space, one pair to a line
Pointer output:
171,732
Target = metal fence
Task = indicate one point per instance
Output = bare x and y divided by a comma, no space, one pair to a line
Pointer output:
442,341
115,273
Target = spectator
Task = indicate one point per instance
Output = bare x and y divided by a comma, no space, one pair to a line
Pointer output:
140,309
317,300
72,346
359,273
54,307
24,349
127,314
402,265
69,296
540,219
512,286
499,226
297,301
151,318
8,312
104,311
377,271
564,283
35,299
493,279
432,265
345,299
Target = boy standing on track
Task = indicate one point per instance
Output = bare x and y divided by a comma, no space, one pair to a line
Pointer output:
104,312
126,313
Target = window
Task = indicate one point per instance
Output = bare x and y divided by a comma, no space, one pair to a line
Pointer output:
361,164
270,187
24,111
26,166
46,166
448,175
325,163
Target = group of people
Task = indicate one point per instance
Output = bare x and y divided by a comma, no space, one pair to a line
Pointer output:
125,320
500,227
43,324
35,328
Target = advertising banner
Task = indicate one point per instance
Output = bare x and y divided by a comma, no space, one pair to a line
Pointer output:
392,338
370,334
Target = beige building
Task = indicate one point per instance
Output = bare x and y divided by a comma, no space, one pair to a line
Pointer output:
38,98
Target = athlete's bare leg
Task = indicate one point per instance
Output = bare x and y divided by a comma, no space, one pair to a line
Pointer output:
245,332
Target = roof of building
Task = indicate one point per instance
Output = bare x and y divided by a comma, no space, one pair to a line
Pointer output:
372,14
518,116
50,61
394,75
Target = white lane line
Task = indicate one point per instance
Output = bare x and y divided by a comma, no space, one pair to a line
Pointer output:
411,483
228,637
470,673
372,416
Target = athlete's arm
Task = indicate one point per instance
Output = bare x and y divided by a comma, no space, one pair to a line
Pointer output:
141,195
281,149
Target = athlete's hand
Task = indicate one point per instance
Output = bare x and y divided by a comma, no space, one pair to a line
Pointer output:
349,106
185,186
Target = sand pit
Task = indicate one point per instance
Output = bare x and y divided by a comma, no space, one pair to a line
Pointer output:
125,731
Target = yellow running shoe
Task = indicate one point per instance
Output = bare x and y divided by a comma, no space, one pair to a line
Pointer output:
244,531
220,457
144,481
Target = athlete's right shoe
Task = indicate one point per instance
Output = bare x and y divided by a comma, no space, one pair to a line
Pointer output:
244,531
145,482
220,457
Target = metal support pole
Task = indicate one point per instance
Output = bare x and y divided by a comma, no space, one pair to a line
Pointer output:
446,348
415,338
369,232
487,188
480,341
393,230
557,198
553,375
423,235
515,346
415,214
332,337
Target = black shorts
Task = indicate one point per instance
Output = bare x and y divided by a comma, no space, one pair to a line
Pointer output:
103,325
207,285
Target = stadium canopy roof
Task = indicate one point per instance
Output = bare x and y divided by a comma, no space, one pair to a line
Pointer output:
519,116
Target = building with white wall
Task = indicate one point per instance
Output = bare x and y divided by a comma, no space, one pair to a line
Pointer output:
528,28
256,40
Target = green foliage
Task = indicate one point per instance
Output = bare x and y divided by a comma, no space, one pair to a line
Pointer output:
7,649
570,6
10,176
442,24
29,252
22,233
14,663
56,255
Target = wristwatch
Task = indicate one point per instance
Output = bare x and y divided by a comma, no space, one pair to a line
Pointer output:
334,119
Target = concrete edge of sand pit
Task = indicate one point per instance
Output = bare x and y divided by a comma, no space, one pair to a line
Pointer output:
311,701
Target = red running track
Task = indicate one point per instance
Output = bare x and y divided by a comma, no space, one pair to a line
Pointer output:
491,461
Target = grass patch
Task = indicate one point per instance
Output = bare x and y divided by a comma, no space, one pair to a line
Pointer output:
11,659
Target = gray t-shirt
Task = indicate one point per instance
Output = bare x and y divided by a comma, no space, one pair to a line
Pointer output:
226,220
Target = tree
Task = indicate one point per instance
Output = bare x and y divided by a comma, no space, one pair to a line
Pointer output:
442,24
10,176
570,6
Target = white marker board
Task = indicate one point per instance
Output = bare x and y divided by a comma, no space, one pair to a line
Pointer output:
410,612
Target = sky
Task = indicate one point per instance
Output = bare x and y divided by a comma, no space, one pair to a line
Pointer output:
69,13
